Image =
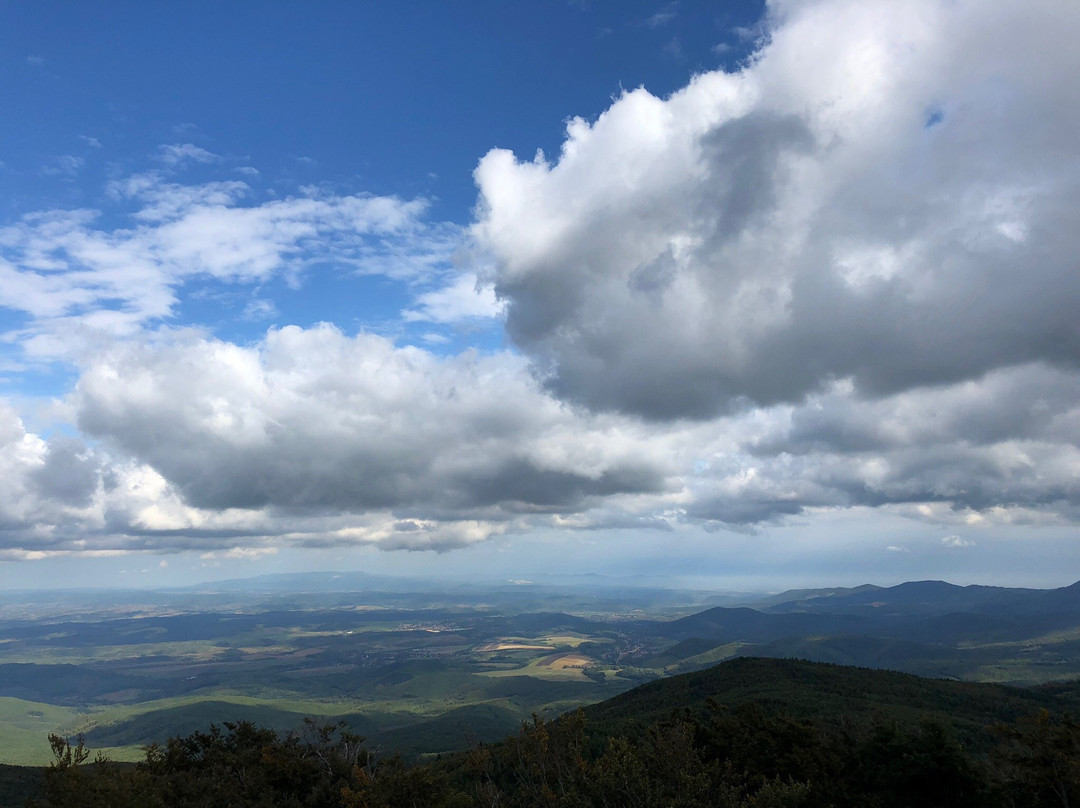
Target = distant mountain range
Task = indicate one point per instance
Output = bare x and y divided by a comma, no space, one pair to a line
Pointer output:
926,598
919,608
932,628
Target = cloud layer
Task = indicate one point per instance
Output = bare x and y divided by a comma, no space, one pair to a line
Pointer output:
1004,448
843,277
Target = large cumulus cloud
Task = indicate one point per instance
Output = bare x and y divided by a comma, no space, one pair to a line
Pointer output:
311,421
885,193
47,487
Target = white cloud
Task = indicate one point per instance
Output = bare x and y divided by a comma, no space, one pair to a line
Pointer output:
997,450
260,309
74,278
838,280
313,438
47,487
180,154
462,300
760,234
312,419
957,541
664,16
66,166
319,438
239,553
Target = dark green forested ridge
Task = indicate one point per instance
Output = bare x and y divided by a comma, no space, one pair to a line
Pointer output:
811,690
750,732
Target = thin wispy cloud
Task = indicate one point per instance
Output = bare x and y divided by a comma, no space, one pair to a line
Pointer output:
68,274
663,16
179,154
66,165
957,541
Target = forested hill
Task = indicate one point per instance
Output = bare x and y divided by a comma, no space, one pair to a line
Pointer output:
746,733
818,691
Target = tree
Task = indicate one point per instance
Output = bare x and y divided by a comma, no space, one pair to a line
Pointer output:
1040,761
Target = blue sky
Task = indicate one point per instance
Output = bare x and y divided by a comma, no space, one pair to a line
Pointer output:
393,98
518,288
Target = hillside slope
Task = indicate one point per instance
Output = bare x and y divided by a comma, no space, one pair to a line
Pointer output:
804,689
748,733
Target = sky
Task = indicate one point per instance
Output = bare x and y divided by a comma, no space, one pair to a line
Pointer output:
738,295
